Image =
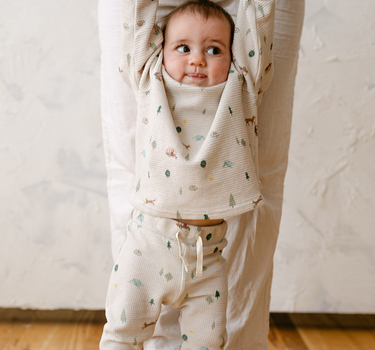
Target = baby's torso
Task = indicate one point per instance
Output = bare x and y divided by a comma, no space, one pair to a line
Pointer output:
195,149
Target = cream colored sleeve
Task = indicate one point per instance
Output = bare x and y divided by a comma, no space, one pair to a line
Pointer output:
253,43
141,38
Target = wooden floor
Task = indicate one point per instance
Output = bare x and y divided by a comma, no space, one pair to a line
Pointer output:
81,330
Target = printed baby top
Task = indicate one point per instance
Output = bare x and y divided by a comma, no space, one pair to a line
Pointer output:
196,148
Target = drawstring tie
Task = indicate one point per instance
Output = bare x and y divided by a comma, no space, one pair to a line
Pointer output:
199,244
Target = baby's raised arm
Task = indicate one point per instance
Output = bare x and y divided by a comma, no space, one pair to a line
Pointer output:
253,43
141,38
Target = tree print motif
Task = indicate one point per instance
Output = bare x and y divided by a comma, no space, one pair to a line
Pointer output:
192,275
135,342
123,316
116,268
152,302
209,300
161,272
143,153
169,245
232,203
260,8
174,107
187,158
206,217
213,325
271,46
252,53
199,137
243,142
184,337
178,215
158,111
208,237
247,176
222,344
238,141
203,163
204,111
248,31
186,297
153,46
168,276
153,144
216,250
167,173
180,192
178,129
138,186
217,295
230,111
265,39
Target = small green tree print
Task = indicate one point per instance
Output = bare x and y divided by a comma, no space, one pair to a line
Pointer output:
138,186
260,8
178,129
184,337
228,164
206,217
209,300
169,245
217,295
159,110
153,46
123,316
251,53
247,176
135,342
213,325
237,140
168,276
152,302
186,296
178,215
232,203
167,173
187,158
208,237
204,111
161,271
222,344
180,192
243,142
116,267
192,274
153,144
174,107
203,163
230,111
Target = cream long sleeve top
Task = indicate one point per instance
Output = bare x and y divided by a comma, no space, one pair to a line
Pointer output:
197,148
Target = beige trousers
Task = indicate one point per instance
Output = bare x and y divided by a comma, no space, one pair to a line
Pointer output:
165,262
252,236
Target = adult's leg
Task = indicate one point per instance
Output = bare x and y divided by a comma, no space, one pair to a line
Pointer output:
252,236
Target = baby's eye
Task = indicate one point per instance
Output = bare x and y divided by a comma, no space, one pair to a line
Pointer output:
183,49
213,51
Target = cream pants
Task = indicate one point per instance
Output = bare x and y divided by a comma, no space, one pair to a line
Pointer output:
164,262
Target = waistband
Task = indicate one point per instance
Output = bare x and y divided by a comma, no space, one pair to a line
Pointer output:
168,227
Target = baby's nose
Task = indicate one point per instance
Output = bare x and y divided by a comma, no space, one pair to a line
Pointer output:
197,59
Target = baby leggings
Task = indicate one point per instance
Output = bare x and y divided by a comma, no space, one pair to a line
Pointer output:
167,262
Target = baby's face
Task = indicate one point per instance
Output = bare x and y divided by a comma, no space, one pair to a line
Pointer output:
197,51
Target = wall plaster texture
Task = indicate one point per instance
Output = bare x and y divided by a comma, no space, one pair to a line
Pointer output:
325,258
54,222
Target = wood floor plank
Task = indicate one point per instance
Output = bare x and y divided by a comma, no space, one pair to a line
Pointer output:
288,332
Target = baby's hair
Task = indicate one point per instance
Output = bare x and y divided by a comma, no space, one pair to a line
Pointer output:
205,8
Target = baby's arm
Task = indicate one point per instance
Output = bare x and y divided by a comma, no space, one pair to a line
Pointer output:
140,39
253,43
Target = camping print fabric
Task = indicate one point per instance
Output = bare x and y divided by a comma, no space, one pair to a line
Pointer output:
157,276
194,145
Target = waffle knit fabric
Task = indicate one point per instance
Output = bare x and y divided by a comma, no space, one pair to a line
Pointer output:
197,148
153,270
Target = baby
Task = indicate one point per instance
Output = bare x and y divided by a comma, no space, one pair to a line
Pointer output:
198,81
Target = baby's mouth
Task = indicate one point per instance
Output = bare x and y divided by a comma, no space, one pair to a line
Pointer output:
196,76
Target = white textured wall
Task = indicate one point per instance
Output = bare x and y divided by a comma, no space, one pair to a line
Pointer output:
325,259
54,224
